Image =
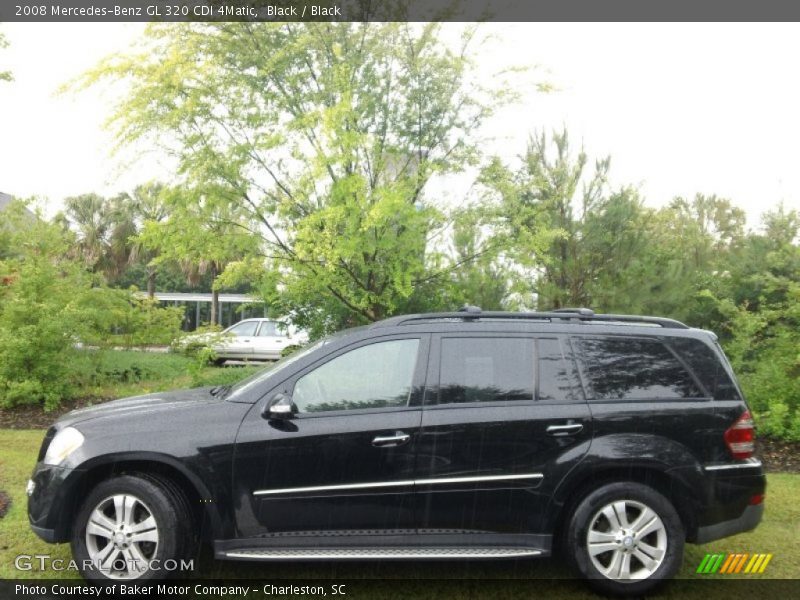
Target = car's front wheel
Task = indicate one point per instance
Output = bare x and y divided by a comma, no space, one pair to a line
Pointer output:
132,527
625,538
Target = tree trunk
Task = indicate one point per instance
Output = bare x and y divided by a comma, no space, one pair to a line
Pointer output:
214,295
151,283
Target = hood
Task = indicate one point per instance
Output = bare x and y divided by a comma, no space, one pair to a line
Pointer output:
146,405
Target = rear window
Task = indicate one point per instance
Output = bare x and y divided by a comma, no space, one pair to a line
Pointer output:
708,367
626,368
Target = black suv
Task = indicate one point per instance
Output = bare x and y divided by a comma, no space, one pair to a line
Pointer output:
452,435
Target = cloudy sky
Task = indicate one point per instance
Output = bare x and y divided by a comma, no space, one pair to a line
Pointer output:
681,109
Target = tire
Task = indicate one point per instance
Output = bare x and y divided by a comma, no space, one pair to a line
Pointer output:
621,561
218,362
128,522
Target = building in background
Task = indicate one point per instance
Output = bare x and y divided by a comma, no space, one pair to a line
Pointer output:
232,307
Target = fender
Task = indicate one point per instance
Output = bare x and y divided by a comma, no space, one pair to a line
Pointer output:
208,492
630,456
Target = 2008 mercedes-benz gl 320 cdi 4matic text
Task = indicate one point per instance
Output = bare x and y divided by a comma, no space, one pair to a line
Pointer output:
609,439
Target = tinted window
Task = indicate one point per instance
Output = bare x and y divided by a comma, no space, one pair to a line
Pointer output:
247,328
486,369
374,376
268,329
708,368
557,379
632,368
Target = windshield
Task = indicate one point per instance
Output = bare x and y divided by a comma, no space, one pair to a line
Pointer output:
245,385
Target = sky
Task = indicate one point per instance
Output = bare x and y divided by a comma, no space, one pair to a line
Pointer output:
680,108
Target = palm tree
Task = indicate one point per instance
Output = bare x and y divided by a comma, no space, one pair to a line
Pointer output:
90,217
146,205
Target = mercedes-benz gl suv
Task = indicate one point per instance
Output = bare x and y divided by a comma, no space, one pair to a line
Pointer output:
611,439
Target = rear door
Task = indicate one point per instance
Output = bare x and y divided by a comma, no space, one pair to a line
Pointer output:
503,422
269,342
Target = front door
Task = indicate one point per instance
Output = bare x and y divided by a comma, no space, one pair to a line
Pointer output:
497,431
346,461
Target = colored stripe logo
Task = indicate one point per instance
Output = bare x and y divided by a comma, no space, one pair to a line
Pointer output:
733,563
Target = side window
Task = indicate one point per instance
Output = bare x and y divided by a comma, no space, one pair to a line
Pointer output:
620,368
708,367
558,381
268,329
248,328
486,370
374,376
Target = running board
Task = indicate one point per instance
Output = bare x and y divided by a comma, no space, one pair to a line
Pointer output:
272,554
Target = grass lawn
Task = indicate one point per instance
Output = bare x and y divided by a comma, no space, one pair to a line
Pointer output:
779,534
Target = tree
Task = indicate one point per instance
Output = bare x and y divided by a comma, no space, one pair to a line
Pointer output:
326,134
202,233
568,234
91,218
145,205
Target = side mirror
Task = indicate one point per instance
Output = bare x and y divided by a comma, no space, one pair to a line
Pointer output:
279,407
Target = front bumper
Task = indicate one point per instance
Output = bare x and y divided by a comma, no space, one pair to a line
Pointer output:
51,501
748,520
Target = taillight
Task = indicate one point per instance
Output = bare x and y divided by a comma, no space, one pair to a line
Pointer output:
740,437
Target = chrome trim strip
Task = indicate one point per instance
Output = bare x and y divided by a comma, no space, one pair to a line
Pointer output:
476,479
383,484
413,553
331,488
751,463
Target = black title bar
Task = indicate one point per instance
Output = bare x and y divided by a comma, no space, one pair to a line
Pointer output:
397,10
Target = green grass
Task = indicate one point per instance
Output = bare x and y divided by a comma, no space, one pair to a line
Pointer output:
779,534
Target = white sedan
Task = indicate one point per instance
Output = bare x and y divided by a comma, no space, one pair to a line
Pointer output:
251,339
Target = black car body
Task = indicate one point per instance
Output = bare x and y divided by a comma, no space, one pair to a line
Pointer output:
467,434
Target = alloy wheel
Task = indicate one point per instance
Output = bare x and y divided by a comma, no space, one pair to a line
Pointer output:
122,537
626,541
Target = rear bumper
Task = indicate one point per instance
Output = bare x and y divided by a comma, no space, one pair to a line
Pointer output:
748,520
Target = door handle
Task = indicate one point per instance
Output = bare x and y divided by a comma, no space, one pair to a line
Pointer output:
384,441
569,429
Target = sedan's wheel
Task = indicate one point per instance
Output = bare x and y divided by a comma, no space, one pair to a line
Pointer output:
133,527
122,536
625,538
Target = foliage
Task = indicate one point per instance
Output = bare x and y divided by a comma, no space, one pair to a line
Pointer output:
123,318
326,136
202,233
764,346
39,320
49,302
101,368
562,226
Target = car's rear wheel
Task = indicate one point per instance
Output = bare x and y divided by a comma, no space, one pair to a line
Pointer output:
625,538
132,527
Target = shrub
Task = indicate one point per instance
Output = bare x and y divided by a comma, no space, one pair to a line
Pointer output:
39,323
49,303
122,318
772,423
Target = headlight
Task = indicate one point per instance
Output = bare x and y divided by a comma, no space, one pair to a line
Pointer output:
65,443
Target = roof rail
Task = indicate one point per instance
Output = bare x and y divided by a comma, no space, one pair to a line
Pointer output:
582,315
